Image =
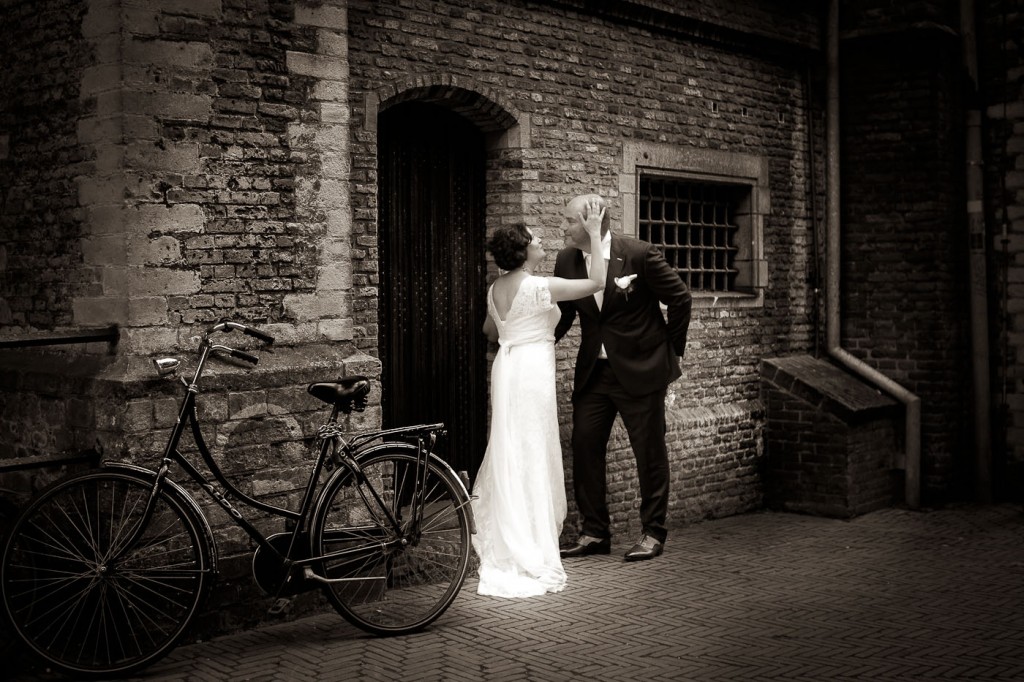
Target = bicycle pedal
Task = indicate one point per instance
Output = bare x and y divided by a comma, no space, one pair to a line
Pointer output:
281,607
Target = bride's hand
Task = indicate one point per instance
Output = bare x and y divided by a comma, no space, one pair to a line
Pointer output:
595,216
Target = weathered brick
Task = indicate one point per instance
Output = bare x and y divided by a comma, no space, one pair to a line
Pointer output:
276,108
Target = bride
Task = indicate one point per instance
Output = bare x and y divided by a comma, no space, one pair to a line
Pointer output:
520,491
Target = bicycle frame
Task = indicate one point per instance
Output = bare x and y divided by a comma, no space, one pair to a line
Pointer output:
298,519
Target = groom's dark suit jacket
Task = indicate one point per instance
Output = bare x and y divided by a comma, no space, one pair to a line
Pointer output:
643,349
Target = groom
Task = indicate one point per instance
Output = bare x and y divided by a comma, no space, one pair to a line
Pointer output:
628,356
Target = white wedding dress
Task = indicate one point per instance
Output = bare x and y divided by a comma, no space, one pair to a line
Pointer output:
520,490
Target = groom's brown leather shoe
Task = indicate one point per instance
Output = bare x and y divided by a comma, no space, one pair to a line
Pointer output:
646,548
587,545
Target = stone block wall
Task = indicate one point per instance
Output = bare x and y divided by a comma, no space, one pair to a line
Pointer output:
173,163
163,165
260,427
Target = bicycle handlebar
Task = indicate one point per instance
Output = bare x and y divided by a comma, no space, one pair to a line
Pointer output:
256,333
235,353
242,355
229,326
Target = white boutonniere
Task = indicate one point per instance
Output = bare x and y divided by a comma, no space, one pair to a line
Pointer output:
625,284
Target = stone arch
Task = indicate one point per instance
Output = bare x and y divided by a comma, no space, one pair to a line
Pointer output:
488,109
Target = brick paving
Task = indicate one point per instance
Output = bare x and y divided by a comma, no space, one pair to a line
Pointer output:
892,595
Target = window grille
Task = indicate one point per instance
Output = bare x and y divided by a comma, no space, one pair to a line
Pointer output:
695,226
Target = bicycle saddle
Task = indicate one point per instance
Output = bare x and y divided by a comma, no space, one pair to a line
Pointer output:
345,390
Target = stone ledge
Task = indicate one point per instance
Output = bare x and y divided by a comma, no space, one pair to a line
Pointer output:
827,387
55,404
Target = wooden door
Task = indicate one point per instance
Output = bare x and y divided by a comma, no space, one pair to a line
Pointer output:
432,276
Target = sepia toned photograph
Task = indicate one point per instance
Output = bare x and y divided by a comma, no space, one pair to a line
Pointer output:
512,340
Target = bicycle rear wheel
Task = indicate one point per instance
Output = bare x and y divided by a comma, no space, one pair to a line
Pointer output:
393,583
89,594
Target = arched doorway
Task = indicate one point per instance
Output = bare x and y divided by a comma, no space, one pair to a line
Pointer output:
431,175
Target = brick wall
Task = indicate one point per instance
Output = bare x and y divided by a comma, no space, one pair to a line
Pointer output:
45,409
830,440
1001,75
41,222
904,304
582,102
875,16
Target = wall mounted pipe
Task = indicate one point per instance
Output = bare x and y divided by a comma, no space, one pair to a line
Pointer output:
978,246
912,403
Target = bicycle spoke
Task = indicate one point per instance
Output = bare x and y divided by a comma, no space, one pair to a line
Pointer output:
437,519
403,586
62,546
134,608
93,590
120,535
71,608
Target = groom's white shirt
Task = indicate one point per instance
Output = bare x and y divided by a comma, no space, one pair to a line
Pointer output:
606,251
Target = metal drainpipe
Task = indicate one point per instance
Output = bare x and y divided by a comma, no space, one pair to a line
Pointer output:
977,268
912,441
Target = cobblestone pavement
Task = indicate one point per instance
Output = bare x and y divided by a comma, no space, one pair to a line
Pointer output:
893,595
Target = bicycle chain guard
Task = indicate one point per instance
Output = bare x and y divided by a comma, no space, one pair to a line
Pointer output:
270,573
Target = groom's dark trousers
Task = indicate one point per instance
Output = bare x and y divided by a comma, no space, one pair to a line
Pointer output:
594,410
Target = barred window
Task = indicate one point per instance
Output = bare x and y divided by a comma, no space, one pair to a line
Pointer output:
705,209
695,225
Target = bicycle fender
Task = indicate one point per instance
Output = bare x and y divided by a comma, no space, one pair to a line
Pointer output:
434,459
148,475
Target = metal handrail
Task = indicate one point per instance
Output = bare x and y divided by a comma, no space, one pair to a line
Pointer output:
109,334
91,456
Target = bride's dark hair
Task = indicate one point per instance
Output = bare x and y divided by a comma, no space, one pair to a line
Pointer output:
508,245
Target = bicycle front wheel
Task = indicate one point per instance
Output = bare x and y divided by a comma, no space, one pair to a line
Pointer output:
386,581
91,589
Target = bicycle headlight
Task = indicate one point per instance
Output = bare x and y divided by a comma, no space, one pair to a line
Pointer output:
166,366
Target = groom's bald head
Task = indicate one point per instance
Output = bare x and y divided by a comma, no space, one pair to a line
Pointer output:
575,234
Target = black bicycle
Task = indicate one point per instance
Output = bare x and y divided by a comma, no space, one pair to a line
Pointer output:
104,571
